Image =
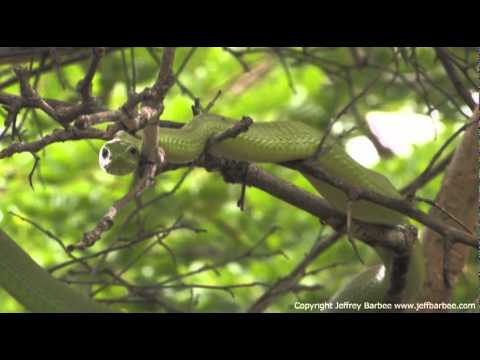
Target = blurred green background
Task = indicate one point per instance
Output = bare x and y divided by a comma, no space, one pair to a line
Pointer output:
309,84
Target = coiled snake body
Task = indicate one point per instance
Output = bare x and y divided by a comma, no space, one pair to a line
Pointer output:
263,142
281,141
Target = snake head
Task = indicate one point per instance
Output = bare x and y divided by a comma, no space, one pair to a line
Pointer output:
119,157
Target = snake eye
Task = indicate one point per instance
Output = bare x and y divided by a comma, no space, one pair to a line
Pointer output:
133,151
105,153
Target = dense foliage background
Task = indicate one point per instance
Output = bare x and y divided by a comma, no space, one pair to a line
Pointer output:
218,258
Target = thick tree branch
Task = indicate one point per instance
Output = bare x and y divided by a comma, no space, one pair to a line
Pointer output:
402,206
459,196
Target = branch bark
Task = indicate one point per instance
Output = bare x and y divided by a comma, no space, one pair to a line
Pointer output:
459,196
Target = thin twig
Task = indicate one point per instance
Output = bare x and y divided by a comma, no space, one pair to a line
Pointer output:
444,57
445,212
212,102
340,114
285,284
84,87
444,146
34,167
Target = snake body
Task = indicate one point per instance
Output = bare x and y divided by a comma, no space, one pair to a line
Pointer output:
276,142
272,142
35,288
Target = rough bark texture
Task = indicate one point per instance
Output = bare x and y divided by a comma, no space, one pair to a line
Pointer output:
459,196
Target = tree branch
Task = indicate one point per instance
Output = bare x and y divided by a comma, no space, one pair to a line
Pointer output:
292,279
444,57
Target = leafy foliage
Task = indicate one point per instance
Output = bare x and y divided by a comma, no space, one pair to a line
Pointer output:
71,192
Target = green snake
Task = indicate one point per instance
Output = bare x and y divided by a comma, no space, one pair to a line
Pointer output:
272,142
281,141
34,287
